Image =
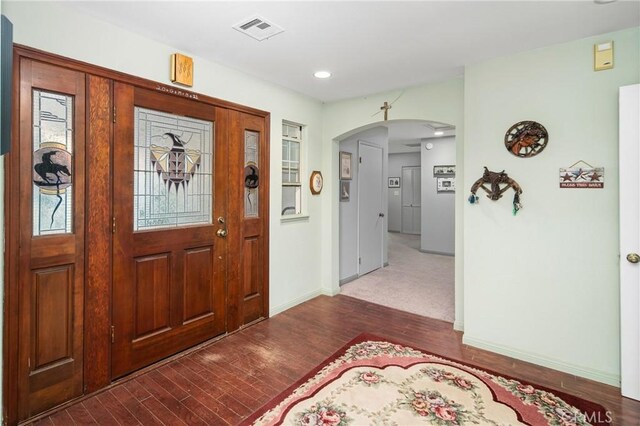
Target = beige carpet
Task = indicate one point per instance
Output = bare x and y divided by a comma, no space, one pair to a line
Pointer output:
415,282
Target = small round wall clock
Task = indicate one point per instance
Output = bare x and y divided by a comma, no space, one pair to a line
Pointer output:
526,139
315,183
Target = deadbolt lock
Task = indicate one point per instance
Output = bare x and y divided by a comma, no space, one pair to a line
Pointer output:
221,220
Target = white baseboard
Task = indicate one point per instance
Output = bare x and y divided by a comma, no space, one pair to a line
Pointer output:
274,310
348,279
458,325
281,308
597,375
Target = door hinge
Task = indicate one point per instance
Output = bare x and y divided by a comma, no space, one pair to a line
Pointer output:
360,159
114,114
113,225
359,261
29,363
113,334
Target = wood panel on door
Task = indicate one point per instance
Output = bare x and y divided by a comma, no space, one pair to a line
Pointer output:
170,199
249,236
49,182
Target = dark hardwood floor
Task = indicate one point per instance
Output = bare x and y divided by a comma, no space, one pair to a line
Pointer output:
225,381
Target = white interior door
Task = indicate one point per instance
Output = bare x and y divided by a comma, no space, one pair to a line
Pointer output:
411,196
630,240
370,208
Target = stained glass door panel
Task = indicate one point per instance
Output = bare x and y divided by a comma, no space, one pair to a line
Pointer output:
173,161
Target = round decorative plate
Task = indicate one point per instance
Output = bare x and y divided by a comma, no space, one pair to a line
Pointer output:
316,182
526,139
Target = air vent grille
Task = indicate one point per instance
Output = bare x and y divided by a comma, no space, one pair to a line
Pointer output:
258,28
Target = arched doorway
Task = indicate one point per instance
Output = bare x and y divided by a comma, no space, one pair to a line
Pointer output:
418,241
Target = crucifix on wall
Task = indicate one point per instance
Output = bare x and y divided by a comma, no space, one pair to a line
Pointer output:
386,107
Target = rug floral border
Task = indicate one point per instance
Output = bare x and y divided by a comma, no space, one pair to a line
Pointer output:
585,406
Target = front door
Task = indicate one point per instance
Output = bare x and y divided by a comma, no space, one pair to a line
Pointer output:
171,171
370,212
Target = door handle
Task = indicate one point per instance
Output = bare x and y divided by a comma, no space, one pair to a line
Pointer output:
381,214
633,258
222,233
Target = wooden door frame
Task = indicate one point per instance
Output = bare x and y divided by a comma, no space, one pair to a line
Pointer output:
98,205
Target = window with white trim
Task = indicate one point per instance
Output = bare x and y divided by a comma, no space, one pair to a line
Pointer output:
291,169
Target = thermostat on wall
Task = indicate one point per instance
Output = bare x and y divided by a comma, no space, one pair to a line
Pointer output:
603,56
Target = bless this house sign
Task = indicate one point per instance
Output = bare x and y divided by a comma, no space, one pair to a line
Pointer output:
582,175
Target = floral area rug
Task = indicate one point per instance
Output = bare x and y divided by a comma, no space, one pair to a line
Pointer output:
374,381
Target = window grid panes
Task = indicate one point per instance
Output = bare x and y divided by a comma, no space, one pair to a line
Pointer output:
173,176
291,169
52,200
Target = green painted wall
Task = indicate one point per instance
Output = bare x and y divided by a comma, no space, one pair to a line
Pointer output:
543,286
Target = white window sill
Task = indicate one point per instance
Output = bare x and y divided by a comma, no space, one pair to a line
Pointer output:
294,218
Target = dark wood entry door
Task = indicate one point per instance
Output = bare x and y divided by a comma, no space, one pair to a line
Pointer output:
171,169
50,219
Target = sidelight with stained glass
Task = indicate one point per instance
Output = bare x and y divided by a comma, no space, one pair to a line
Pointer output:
52,173
251,182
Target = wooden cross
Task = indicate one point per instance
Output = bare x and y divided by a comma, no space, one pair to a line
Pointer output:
386,107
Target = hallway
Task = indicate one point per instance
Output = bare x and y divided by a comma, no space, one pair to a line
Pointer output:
414,282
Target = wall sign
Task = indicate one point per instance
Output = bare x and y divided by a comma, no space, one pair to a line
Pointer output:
182,69
582,175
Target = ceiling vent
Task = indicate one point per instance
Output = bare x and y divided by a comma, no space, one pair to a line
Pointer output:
258,28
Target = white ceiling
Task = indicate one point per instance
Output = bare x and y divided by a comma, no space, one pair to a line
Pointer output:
370,46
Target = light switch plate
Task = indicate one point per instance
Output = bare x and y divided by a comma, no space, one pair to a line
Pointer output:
603,56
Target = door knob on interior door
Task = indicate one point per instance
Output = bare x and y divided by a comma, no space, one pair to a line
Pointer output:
222,233
633,257
381,214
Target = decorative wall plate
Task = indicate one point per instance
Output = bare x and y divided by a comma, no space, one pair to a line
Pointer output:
526,139
316,182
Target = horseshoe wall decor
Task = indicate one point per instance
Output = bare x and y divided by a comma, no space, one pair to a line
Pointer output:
526,139
495,179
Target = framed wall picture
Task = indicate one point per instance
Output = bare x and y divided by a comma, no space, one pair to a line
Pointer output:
345,190
345,166
394,182
446,184
444,170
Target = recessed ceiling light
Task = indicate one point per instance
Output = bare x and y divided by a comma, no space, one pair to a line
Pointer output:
438,133
322,74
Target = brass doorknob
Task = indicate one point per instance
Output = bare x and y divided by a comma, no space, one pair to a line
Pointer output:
222,233
633,257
